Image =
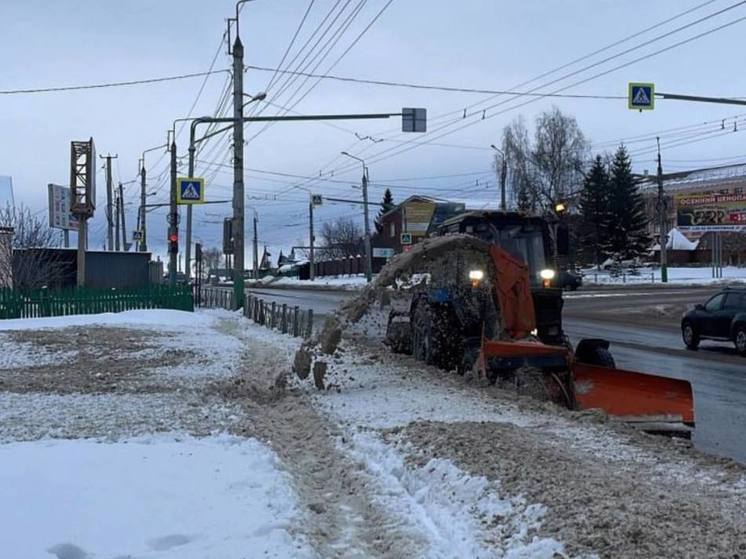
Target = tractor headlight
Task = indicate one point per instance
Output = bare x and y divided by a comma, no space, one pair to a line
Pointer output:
547,274
476,275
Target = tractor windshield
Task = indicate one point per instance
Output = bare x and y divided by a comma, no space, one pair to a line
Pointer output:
528,245
524,241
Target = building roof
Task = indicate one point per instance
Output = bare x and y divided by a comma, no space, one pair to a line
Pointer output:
723,176
414,198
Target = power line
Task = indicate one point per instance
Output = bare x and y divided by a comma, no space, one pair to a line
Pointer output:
431,87
381,155
453,122
110,84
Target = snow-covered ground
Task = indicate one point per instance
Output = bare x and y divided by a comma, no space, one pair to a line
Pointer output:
149,497
676,275
106,463
158,434
338,282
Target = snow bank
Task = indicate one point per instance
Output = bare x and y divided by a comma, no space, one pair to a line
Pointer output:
339,282
460,515
676,275
150,317
151,497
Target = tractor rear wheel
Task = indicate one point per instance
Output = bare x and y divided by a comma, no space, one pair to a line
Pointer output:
422,335
433,341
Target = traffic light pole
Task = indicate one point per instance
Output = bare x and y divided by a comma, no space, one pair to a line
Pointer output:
173,226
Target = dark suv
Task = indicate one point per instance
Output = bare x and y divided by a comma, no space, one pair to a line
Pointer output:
722,317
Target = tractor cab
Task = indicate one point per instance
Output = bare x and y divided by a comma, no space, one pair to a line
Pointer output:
526,239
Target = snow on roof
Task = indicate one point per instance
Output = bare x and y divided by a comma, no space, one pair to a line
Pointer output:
698,178
677,241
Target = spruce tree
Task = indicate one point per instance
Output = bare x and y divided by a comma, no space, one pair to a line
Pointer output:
627,219
595,209
386,204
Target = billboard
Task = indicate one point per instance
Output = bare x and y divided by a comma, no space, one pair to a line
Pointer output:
417,217
59,208
711,212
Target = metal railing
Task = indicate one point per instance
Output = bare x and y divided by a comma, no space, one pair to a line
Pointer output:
286,319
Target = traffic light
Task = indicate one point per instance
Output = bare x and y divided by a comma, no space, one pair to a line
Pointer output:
173,243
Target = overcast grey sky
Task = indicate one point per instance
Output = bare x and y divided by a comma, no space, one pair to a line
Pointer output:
483,44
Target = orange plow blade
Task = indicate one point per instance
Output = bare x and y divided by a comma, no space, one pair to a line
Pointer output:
633,396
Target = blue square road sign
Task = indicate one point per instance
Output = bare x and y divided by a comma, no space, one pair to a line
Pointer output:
641,96
190,190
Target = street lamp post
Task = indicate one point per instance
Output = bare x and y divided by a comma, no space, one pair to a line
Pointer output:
143,245
368,250
503,176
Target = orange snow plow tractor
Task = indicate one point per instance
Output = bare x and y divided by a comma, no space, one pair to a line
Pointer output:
483,302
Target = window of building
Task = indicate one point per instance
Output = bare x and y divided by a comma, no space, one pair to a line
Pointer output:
392,229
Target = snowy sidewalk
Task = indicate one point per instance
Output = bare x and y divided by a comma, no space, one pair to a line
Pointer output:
161,434
98,416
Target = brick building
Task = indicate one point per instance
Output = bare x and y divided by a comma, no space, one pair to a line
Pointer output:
412,220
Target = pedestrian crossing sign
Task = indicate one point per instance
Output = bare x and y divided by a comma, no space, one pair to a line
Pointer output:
190,190
641,96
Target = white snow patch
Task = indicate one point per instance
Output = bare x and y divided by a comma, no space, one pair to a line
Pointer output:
676,275
381,396
153,497
150,317
458,514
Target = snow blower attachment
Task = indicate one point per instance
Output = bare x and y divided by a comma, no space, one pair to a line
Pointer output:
471,305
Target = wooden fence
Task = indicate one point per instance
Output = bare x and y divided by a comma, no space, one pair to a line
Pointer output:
46,302
272,315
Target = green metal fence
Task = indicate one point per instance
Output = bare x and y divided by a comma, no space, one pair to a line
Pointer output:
44,302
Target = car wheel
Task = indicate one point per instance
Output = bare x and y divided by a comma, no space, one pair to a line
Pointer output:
690,336
740,340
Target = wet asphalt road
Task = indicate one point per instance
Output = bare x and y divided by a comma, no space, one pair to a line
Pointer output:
642,325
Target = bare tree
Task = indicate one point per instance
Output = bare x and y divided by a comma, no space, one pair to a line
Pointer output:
516,148
559,156
212,258
31,267
550,169
341,238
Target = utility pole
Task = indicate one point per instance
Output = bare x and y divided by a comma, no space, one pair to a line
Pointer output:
312,271
256,248
143,198
368,248
661,204
109,195
125,248
238,185
503,177
117,204
188,247
141,214
173,225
